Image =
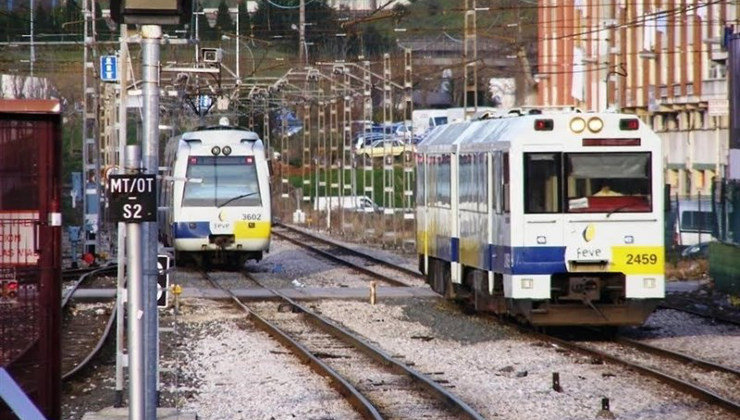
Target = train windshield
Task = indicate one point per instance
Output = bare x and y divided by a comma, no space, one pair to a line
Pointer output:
589,182
227,181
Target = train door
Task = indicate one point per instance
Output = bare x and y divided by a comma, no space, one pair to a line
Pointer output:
542,242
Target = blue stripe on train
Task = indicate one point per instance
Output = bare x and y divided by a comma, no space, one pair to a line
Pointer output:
539,260
455,249
182,230
525,259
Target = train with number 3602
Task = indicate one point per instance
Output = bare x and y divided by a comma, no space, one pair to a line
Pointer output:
216,192
552,217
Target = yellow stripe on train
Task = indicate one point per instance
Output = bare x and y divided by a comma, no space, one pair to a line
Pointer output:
244,229
638,259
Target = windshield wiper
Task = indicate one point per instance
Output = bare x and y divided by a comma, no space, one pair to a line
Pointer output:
235,198
622,207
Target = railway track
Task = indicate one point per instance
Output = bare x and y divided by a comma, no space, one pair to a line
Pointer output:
699,308
705,380
84,332
374,383
384,270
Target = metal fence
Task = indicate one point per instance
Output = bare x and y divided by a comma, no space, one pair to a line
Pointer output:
725,200
30,234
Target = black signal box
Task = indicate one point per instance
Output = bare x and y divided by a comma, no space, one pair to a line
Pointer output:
151,12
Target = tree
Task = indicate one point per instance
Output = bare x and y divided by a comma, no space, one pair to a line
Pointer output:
272,22
244,19
72,17
223,19
42,20
205,32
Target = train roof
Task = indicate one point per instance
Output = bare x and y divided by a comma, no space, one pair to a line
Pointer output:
221,134
506,129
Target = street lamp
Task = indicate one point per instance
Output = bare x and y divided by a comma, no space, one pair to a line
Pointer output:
620,71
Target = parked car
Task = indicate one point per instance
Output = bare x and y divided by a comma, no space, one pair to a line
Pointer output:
693,224
385,147
700,250
366,139
358,203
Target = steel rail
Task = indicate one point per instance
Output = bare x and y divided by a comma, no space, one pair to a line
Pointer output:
704,314
695,390
705,364
82,279
377,354
341,261
108,327
95,351
373,258
355,398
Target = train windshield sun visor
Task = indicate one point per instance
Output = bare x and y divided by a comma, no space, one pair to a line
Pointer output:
228,181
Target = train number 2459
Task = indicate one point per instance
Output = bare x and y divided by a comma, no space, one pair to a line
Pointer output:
642,259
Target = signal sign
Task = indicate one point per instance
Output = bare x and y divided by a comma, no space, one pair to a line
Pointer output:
109,68
133,198
164,263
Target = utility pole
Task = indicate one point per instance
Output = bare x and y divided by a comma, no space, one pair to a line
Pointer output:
302,58
90,162
368,180
32,56
121,280
150,39
470,59
389,186
408,156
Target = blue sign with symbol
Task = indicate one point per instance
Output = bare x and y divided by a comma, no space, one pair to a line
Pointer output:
109,68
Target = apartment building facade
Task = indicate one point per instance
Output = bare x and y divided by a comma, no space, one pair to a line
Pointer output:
661,60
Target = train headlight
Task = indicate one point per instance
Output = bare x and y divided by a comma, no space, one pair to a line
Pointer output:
227,150
577,124
595,124
215,150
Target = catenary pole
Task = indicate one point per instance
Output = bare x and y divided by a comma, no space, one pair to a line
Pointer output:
150,39
136,309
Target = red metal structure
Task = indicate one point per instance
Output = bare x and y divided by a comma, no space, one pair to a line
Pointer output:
30,250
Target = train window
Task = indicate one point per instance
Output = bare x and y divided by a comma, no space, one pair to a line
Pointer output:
467,182
227,181
481,181
505,178
542,182
420,180
608,182
439,181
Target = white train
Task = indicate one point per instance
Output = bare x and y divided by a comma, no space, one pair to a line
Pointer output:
555,218
217,196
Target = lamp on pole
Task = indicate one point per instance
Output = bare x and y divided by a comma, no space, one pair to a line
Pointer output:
617,70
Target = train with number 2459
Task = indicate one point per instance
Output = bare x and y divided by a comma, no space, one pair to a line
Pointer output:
216,193
552,217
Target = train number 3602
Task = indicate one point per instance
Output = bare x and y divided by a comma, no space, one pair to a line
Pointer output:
642,259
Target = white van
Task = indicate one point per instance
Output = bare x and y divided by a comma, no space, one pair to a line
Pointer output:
358,203
694,223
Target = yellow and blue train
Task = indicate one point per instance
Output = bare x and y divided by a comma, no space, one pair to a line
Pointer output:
551,217
217,196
